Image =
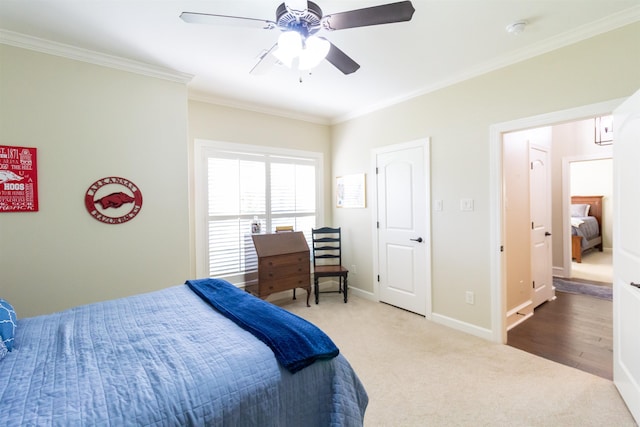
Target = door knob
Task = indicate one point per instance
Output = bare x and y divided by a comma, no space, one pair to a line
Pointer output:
546,233
637,285
419,240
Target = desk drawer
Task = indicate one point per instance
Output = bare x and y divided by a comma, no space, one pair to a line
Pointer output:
283,260
285,283
283,266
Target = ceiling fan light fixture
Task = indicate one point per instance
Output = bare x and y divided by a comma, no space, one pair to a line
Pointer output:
291,42
316,49
299,20
289,47
309,52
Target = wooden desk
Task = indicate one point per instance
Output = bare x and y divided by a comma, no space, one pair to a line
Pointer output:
283,264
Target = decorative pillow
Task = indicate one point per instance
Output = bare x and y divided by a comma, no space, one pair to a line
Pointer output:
580,210
3,350
8,323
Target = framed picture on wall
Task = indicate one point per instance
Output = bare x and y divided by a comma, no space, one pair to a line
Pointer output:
18,179
351,191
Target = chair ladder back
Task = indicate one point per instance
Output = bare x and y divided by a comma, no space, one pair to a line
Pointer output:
327,244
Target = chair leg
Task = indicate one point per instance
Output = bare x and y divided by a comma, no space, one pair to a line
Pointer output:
294,293
346,286
315,287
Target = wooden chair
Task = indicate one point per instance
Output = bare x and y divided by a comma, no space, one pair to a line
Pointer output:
327,259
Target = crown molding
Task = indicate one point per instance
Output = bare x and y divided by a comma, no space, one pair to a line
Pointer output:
79,54
194,95
604,25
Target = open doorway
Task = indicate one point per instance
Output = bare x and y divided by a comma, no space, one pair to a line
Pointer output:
564,329
586,174
592,176
496,214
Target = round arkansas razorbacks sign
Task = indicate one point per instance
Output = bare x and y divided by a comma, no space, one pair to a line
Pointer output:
113,200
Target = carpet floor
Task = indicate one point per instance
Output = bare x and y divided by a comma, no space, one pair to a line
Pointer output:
420,373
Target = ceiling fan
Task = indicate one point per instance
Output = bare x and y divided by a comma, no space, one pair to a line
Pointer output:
300,21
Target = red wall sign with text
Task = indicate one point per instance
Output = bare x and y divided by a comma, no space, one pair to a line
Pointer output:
18,179
113,200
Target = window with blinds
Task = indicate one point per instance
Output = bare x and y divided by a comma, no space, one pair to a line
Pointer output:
278,188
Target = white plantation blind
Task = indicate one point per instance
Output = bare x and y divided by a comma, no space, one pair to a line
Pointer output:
276,188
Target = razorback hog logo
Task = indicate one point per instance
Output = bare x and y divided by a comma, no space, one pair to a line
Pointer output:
6,176
98,205
115,200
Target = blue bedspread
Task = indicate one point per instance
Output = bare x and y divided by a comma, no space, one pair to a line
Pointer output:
295,342
164,358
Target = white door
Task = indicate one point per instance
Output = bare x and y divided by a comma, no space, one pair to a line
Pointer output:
404,240
540,208
626,252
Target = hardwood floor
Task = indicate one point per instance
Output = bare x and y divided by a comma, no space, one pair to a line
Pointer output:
575,330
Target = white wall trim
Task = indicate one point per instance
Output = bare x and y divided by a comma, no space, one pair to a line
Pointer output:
226,102
496,214
558,272
468,328
92,57
369,296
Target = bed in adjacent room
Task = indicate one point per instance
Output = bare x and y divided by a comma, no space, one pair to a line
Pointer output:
586,225
169,358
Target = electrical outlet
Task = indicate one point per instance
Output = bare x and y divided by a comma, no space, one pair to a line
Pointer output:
469,297
437,205
353,269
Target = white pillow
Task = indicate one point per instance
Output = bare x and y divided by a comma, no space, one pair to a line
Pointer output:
580,210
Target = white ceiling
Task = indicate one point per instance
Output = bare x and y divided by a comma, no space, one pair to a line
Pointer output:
446,41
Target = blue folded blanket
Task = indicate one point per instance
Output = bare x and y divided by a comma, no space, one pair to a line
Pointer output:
295,342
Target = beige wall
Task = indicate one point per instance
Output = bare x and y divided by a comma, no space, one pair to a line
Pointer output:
89,122
458,119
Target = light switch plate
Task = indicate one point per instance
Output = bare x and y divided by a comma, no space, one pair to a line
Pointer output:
466,204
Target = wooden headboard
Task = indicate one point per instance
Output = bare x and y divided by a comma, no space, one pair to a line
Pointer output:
596,205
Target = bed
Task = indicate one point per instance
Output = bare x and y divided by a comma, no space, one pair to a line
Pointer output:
168,358
586,225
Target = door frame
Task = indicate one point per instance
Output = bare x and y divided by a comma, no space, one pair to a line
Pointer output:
497,267
425,143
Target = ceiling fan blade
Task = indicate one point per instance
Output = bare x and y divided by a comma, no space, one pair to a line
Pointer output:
265,62
341,60
210,19
376,15
297,7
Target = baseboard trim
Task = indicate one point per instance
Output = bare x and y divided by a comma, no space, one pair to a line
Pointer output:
468,328
558,272
363,294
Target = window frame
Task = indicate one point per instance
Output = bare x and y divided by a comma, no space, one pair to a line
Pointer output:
203,149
